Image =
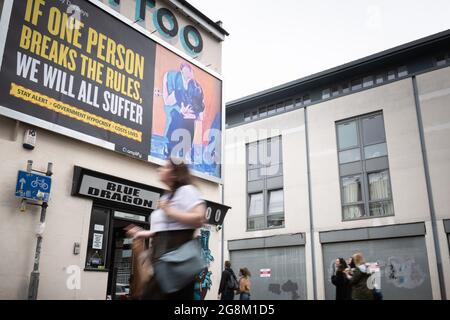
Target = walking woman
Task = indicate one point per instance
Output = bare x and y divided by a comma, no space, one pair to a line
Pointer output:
180,212
244,284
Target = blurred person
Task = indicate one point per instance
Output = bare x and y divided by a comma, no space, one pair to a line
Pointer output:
180,212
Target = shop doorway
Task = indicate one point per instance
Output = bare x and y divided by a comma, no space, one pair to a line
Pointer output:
120,257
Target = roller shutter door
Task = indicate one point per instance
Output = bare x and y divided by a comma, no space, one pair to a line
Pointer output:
285,265
404,265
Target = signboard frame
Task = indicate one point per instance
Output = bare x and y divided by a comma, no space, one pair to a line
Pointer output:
4,28
215,214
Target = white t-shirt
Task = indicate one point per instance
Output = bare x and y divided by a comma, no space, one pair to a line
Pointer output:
186,198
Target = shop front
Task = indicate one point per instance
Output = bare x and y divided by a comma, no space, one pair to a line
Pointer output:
85,97
117,204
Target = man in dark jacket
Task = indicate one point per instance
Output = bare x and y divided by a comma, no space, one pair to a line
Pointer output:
225,292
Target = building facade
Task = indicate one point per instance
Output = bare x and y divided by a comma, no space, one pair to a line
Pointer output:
99,184
352,159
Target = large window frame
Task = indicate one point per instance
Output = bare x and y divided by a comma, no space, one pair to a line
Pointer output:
266,186
363,168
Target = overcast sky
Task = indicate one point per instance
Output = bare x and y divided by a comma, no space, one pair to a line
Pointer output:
273,42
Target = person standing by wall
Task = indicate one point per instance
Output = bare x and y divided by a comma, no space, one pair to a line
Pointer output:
244,284
340,280
228,283
358,279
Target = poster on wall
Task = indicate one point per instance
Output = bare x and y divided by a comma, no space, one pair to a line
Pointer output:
81,75
186,113
72,68
97,241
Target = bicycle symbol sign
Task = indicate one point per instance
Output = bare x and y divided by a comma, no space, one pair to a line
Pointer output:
33,186
39,183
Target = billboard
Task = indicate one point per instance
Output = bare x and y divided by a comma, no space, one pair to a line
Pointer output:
186,113
71,67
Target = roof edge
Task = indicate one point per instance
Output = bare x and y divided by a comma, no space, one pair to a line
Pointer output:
210,22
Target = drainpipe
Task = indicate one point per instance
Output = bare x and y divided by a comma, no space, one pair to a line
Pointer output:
223,233
311,218
429,191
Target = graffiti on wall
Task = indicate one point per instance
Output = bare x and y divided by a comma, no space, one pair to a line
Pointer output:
404,272
203,281
400,271
287,287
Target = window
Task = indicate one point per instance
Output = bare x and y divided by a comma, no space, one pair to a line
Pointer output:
289,105
254,174
380,203
298,102
375,151
402,71
373,129
262,112
276,202
98,239
345,88
349,156
391,75
379,79
254,115
275,216
368,81
306,99
364,168
352,201
326,93
256,205
271,110
351,189
441,60
356,84
379,188
348,135
280,107
335,91
265,184
252,155
247,116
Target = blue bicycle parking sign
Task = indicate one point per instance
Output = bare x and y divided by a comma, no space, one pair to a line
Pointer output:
33,186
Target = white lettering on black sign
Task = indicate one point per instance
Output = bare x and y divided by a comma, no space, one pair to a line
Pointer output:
112,191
